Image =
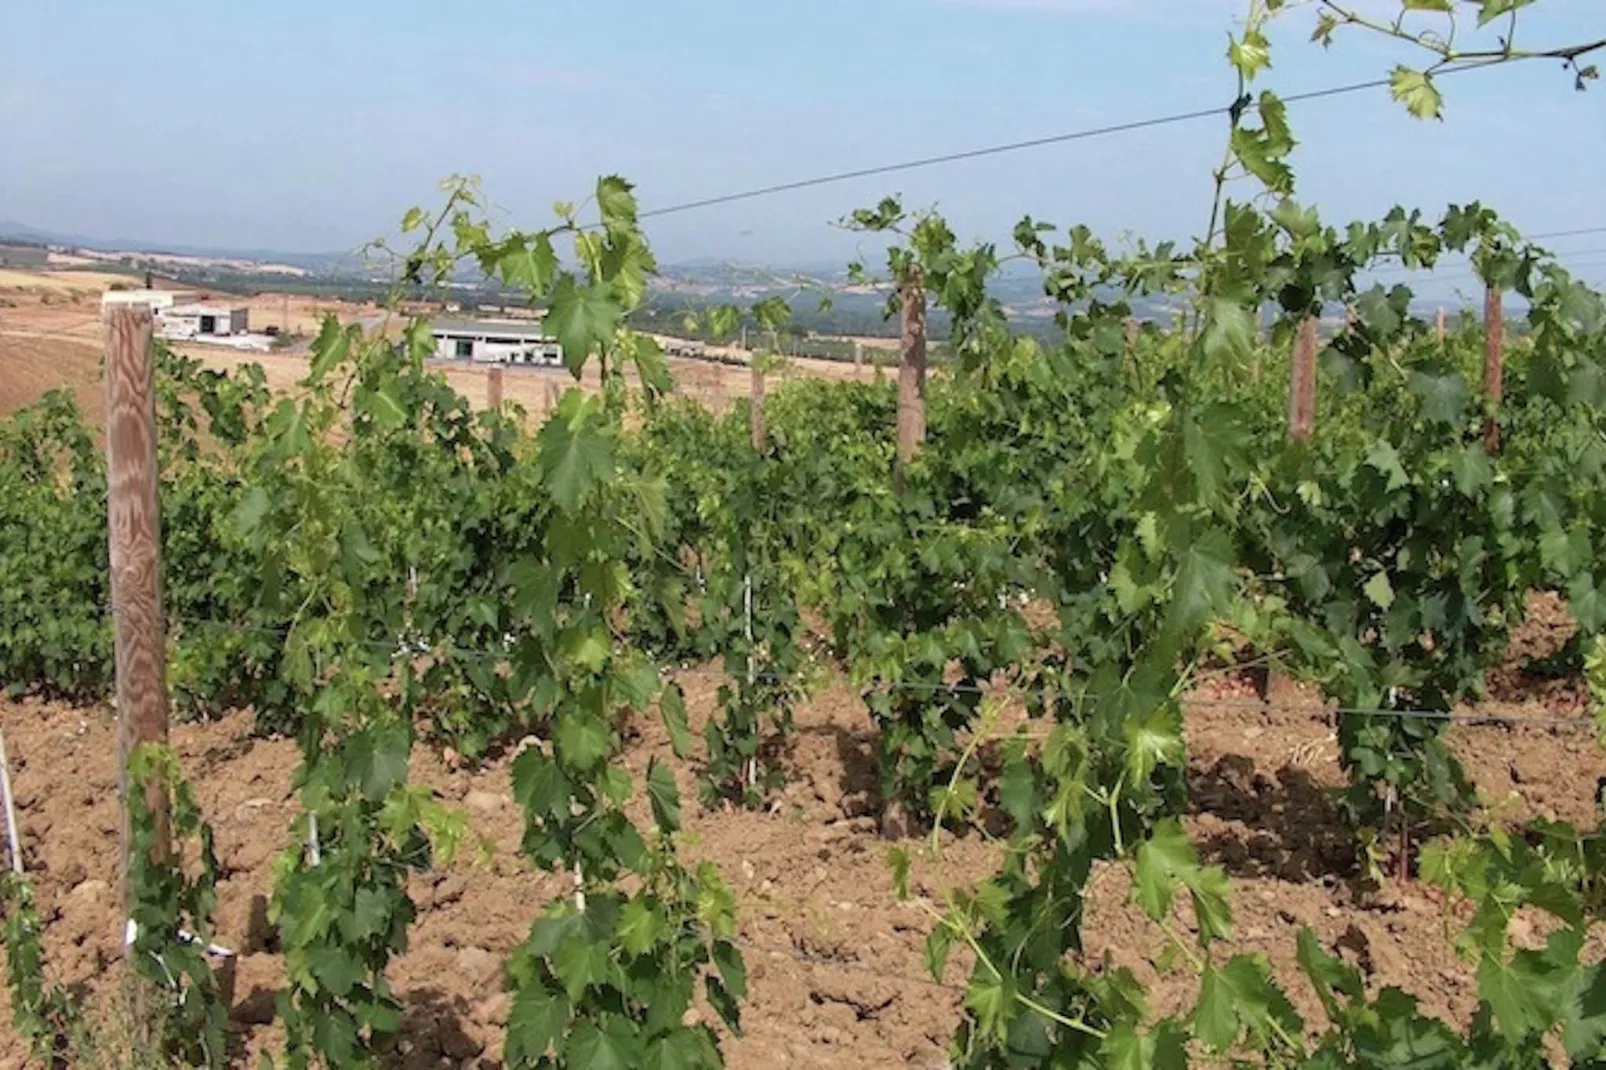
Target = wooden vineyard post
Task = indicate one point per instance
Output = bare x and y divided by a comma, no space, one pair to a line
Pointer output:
134,534
858,358
1438,324
1494,343
493,388
554,394
912,368
1279,689
1302,384
1261,334
1133,327
755,406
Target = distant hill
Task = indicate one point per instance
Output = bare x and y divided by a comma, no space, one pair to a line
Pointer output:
321,263
697,281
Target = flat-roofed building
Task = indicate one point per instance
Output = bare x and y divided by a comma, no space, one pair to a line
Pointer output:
488,341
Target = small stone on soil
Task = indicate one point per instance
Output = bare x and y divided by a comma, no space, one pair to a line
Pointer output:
485,802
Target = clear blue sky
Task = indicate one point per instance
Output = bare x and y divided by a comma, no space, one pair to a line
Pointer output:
306,125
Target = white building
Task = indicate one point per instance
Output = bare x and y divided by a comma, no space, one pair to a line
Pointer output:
157,301
198,321
496,342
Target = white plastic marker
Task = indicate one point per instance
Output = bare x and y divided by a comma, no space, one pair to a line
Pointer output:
131,933
752,674
314,854
13,836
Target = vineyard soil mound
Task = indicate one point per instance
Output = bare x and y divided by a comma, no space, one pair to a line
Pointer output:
29,366
837,978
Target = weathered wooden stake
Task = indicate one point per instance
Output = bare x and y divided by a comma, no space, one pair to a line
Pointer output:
755,406
493,388
554,394
1302,384
1133,327
858,356
912,369
1439,324
1494,343
1279,686
134,534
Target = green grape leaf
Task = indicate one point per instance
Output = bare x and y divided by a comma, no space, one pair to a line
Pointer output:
939,943
247,516
639,926
1584,1027
1506,991
1415,89
1204,583
616,200
1167,863
1017,792
1250,54
682,1049
336,969
1586,602
1163,1048
582,320
732,970
580,962
1386,459
1565,552
1329,976
1380,590
582,739
1489,10
664,796
385,408
615,1045
724,1004
1471,470
539,784
992,1000
379,757
329,349
1444,397
1153,739
1239,996
535,1022
576,457
531,265
898,862
672,709
1229,334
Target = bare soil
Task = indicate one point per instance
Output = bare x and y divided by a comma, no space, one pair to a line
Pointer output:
29,366
837,974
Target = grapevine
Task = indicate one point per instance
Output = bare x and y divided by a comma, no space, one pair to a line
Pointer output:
372,565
